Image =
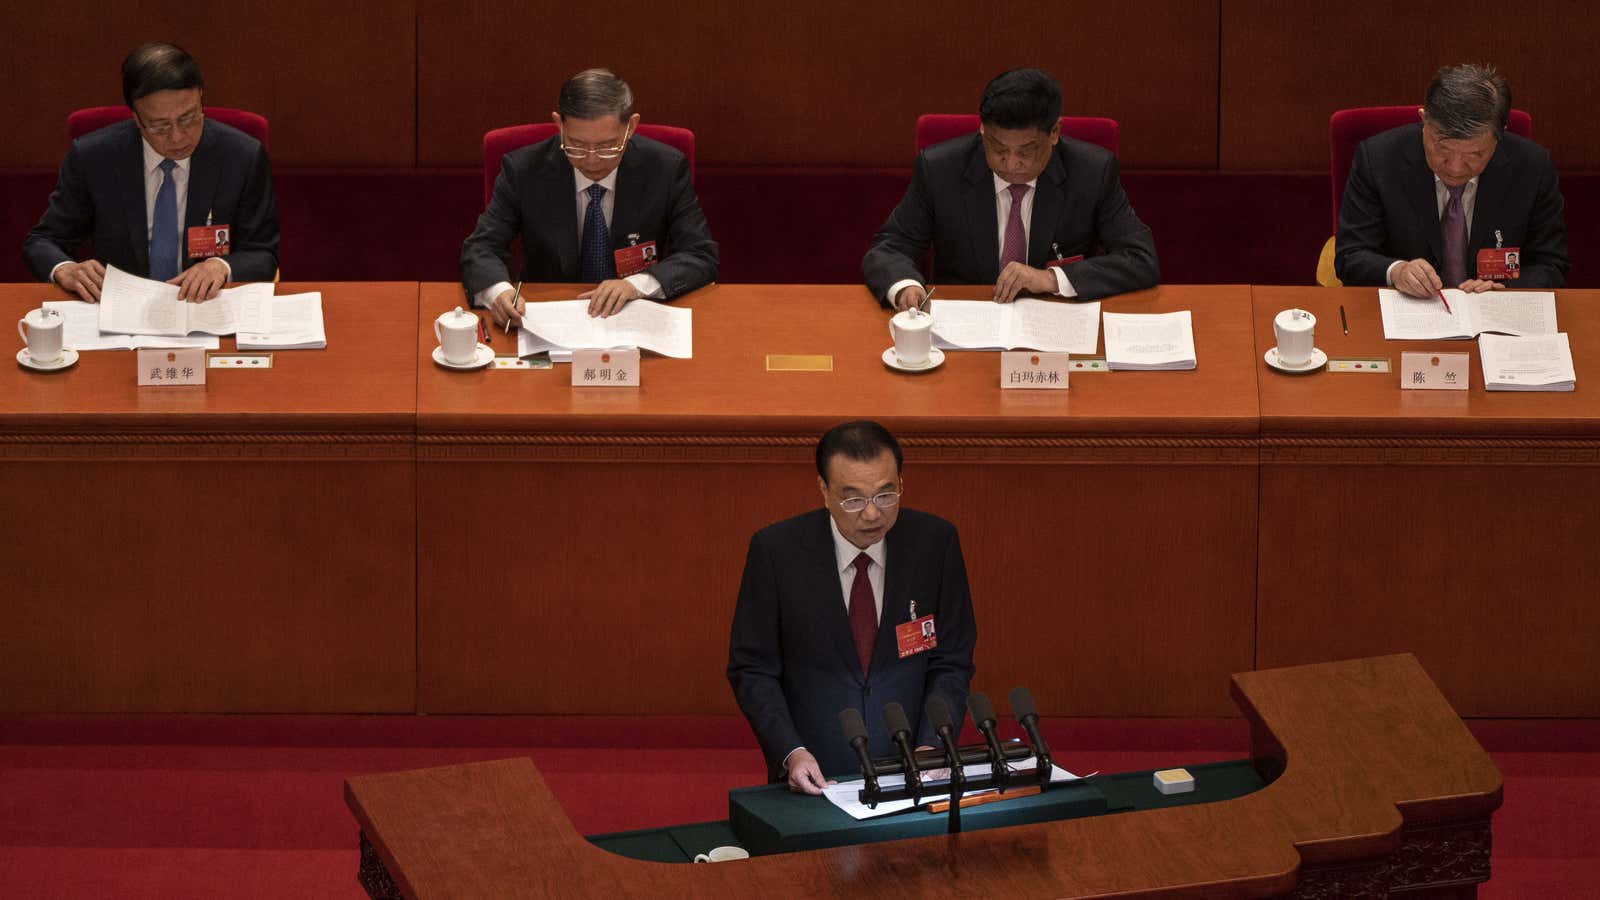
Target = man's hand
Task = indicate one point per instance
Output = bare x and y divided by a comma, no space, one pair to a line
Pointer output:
927,775
609,296
910,297
1417,278
505,308
1479,285
201,281
1017,278
82,278
805,776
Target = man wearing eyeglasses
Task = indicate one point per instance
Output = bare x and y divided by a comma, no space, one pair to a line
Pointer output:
594,196
857,604
1016,206
150,193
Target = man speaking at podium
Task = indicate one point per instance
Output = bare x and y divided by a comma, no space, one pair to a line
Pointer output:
857,604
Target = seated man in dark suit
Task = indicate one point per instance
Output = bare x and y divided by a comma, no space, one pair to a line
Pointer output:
822,597
136,188
1016,206
1423,199
594,189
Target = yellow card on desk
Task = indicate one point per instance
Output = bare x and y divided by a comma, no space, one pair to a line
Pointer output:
799,362
182,367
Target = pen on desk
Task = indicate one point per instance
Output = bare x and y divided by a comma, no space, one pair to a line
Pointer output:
516,294
1343,322
1444,301
483,331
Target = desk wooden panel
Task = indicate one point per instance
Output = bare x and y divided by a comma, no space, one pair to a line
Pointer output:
1381,788
1457,525
246,546
603,532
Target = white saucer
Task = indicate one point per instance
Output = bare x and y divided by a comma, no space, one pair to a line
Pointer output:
66,360
480,358
935,360
1318,360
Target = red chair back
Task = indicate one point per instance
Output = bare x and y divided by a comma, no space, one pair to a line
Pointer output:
1347,128
81,122
936,127
501,141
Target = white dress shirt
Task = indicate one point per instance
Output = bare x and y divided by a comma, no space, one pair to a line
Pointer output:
1441,194
1002,215
643,282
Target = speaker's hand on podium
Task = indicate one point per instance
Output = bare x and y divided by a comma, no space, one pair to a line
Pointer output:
928,775
805,776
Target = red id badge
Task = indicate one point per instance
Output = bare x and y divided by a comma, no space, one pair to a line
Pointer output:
1056,263
636,258
915,636
1500,263
208,240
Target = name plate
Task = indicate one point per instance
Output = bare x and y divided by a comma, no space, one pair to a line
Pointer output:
1420,371
799,362
1028,370
605,368
172,368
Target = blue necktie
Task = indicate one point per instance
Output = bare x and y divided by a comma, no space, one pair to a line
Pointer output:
164,227
598,264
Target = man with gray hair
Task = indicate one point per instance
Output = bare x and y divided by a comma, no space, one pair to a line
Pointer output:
1453,201
596,204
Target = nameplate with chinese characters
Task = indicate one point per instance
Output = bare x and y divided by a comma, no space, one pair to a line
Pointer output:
1421,371
605,368
172,368
1030,370
238,360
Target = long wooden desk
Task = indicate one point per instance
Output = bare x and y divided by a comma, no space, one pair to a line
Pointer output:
1459,525
1376,785
1109,530
246,546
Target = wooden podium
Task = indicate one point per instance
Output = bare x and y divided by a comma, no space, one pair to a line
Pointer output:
1376,786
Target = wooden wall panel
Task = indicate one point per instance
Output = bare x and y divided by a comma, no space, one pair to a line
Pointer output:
1287,67
830,82
337,82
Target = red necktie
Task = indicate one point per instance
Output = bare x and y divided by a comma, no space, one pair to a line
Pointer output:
863,612
1016,248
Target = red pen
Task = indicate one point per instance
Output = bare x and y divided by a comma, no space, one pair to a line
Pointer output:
1444,301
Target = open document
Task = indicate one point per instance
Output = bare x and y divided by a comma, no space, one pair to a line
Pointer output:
1050,326
1540,362
1149,341
846,794
296,324
564,325
1505,312
133,305
80,330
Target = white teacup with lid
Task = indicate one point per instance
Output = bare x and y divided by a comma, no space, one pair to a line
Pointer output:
42,330
457,332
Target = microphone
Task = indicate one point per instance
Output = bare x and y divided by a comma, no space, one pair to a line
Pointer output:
855,732
1028,717
939,715
894,715
983,719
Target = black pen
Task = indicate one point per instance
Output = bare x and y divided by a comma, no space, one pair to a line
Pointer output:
1342,322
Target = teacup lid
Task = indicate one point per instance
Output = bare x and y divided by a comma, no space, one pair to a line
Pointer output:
457,317
42,317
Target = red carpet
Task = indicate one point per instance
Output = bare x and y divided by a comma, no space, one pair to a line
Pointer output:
251,806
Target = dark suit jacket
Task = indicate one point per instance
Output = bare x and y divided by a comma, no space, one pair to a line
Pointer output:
1078,203
791,657
1390,210
535,195
99,196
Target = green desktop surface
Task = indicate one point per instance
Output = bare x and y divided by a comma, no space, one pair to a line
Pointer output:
771,819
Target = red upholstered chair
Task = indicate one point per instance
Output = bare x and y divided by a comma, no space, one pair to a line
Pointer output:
936,127
1347,128
83,121
501,141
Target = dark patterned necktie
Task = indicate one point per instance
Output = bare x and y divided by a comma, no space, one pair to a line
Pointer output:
1454,225
863,612
1016,246
164,227
598,264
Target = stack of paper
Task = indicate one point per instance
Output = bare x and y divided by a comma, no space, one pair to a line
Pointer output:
80,324
561,326
133,305
1540,362
847,794
1506,312
1050,326
296,325
1149,342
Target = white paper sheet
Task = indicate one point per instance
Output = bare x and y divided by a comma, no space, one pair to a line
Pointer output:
1150,341
1408,318
296,325
567,325
1051,326
1541,362
80,323
846,794
133,305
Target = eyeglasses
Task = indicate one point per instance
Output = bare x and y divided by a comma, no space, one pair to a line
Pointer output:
186,122
885,501
576,153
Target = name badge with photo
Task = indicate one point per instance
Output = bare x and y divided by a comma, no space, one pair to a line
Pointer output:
1500,263
915,636
209,240
635,258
